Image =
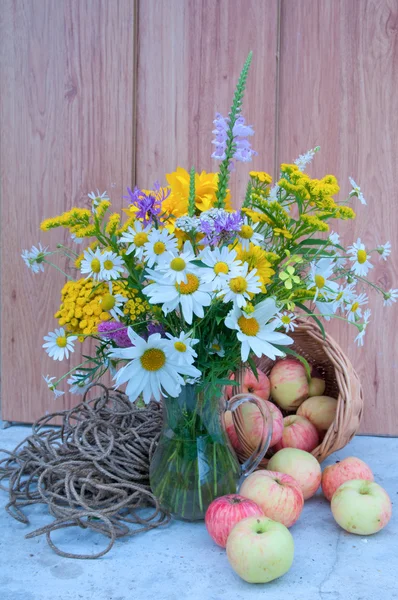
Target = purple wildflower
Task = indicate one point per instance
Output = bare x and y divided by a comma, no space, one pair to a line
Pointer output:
112,330
155,328
149,203
243,150
218,225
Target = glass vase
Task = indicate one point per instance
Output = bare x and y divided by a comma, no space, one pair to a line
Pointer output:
194,462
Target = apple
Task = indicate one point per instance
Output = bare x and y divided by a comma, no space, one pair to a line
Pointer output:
252,425
361,507
251,385
289,385
345,470
298,432
298,464
225,512
320,410
317,385
277,494
260,550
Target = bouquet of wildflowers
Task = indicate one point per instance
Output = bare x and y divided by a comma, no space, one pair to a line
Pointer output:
184,288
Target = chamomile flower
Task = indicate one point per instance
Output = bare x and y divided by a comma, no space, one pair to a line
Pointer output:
191,297
326,308
222,265
286,320
344,295
354,309
49,381
177,267
182,349
112,265
318,278
113,303
257,332
356,191
136,236
59,344
216,348
247,234
334,238
96,198
159,242
384,250
91,264
360,258
361,334
152,368
34,258
238,289
79,383
390,297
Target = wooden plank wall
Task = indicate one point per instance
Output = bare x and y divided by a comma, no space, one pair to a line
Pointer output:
73,81
67,127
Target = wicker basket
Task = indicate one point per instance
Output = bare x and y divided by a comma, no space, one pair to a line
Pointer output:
342,383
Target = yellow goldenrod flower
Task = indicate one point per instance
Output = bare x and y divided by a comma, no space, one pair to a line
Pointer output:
281,231
101,209
113,224
345,212
261,176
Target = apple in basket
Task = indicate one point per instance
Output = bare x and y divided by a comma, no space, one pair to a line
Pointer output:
277,494
344,470
225,512
361,507
252,425
298,432
260,550
251,385
320,410
289,384
317,384
299,464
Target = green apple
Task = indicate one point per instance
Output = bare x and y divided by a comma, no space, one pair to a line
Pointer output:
361,507
259,549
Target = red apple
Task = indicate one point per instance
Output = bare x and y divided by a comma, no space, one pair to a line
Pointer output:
251,385
252,425
224,512
345,470
320,410
317,385
277,494
301,465
289,385
298,432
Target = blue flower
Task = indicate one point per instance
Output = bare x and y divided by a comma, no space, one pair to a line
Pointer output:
243,150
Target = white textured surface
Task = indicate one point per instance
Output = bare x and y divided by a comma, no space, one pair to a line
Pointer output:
181,562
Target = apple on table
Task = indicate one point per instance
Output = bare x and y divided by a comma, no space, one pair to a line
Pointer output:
344,470
300,465
225,512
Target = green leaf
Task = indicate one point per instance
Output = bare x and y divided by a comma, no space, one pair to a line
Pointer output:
291,352
309,312
253,367
199,263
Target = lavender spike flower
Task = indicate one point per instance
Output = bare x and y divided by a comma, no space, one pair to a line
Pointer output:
243,150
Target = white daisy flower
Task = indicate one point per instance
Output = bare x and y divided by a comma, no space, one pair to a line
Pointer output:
334,238
356,191
247,234
191,296
354,308
360,258
222,265
152,368
59,344
34,258
113,303
390,297
361,334
326,309
273,193
182,349
159,242
136,236
319,278
91,264
176,268
257,332
79,383
96,198
49,381
384,250
344,295
112,265
75,239
286,320
216,348
305,159
238,289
